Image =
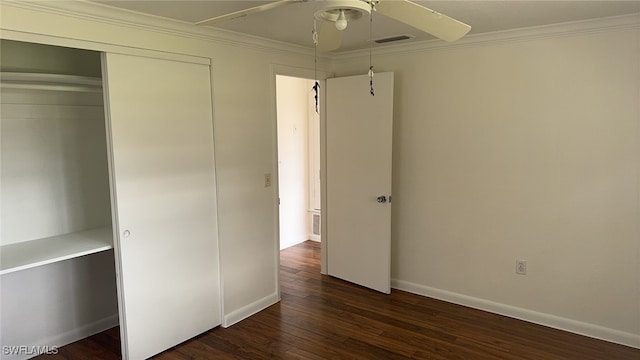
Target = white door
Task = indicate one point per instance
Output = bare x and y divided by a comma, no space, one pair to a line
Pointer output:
159,117
358,180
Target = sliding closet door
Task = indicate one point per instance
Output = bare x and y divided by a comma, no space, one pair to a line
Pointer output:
159,117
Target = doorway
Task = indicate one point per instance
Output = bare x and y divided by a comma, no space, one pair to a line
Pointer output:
298,138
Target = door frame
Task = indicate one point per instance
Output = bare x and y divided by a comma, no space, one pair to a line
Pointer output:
310,74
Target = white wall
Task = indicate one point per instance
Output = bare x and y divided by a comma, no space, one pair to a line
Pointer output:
244,124
293,158
58,302
521,149
54,176
507,149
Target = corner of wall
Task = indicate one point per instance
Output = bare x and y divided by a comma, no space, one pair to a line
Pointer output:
250,309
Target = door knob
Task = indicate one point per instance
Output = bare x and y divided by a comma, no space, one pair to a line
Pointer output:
381,199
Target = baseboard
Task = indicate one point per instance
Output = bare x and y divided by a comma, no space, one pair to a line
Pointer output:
250,309
51,344
314,237
286,246
557,322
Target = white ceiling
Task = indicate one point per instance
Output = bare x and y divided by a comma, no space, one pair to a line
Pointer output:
294,23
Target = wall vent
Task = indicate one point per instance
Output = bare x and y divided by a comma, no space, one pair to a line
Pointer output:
316,224
392,39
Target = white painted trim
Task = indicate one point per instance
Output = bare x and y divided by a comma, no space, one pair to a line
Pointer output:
305,73
68,337
250,309
299,72
84,331
119,17
557,322
217,191
275,183
101,47
314,237
613,23
324,246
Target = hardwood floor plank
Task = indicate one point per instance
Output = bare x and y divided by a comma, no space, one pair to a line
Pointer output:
320,317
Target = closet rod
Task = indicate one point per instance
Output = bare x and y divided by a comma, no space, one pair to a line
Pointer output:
54,82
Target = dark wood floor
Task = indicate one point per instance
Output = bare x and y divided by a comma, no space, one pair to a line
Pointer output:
320,317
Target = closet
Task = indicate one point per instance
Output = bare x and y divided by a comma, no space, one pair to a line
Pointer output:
108,198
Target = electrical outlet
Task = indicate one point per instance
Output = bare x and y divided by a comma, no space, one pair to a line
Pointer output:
267,180
521,267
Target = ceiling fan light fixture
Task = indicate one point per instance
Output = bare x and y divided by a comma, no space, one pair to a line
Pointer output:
342,12
341,22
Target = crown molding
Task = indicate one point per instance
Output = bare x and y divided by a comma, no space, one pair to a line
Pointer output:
606,24
87,10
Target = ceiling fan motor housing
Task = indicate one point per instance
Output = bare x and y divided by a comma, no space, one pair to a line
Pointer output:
353,10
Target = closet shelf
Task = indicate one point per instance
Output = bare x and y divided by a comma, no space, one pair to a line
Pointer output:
28,254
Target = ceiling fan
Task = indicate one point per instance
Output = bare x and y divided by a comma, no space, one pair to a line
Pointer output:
335,16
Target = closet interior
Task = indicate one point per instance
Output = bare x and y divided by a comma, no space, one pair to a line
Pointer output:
108,198
58,279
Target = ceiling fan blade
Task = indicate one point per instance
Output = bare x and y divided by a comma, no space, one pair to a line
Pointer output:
424,19
245,12
329,38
